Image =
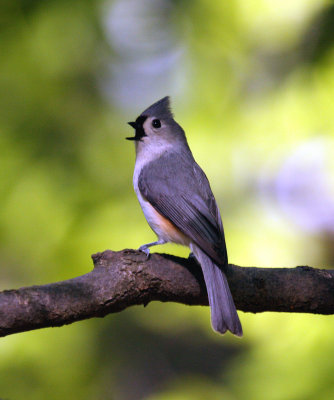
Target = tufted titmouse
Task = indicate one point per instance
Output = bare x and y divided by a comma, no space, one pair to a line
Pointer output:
179,206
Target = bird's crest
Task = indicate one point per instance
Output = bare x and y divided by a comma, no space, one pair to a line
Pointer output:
161,109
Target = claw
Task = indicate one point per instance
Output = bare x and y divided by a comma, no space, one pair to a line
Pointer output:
145,247
145,250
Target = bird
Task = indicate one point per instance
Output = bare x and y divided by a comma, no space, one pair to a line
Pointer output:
179,206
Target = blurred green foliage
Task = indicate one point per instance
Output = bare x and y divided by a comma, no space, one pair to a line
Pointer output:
251,83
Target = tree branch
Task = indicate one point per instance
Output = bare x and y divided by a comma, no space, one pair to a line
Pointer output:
126,278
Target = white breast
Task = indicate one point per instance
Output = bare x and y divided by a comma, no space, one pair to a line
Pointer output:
162,228
149,212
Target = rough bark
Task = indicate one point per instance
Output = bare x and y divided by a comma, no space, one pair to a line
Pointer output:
122,279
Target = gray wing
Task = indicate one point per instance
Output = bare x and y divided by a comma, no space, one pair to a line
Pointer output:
179,190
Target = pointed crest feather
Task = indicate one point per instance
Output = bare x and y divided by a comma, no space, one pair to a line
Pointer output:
161,109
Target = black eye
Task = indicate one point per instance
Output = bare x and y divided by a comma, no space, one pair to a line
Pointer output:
156,123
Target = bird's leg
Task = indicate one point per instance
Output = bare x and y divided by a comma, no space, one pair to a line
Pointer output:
145,247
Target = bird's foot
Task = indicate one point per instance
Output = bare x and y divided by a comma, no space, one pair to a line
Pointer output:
145,249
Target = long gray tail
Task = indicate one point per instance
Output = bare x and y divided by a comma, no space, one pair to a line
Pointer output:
224,315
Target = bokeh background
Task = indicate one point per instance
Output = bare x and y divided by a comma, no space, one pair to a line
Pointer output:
252,83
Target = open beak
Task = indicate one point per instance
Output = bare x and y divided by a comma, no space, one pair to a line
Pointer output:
138,126
134,126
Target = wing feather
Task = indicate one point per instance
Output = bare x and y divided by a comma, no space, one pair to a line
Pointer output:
179,190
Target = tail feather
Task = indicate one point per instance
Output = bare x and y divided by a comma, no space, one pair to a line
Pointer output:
224,315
